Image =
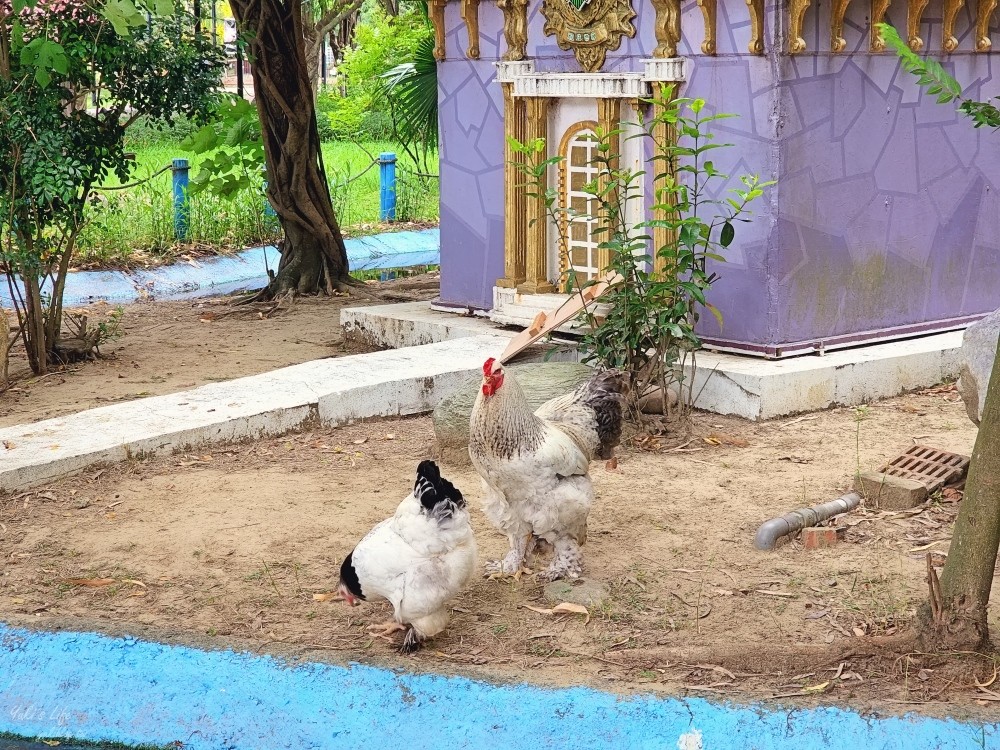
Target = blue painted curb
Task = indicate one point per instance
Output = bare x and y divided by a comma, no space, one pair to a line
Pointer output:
98,688
231,273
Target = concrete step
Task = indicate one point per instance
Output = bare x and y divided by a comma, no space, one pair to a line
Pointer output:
745,386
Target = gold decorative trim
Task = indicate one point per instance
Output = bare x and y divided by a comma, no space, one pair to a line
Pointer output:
436,10
470,14
914,12
515,27
984,12
663,133
514,253
571,132
837,13
536,275
709,12
949,42
796,14
667,27
756,45
878,10
590,28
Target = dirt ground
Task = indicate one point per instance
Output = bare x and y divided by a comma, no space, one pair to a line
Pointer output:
173,346
230,547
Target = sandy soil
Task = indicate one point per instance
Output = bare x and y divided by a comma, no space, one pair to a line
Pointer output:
173,346
230,546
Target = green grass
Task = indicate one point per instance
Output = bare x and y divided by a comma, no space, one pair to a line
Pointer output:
135,226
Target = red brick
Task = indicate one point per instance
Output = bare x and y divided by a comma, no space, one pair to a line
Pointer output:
819,537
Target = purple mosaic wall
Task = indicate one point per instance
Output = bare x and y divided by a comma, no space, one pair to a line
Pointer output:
886,215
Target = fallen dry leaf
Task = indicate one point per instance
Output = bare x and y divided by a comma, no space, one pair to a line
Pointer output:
359,441
816,688
612,463
94,582
560,609
134,582
718,438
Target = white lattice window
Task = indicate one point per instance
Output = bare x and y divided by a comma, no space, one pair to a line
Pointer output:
579,149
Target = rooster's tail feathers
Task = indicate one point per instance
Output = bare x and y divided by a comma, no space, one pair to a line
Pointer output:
606,393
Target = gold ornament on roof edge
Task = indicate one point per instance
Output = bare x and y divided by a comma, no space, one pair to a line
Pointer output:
589,27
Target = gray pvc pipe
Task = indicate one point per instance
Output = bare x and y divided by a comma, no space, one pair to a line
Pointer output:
771,531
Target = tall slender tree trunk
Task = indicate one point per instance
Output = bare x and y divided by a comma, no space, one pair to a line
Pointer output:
955,619
313,259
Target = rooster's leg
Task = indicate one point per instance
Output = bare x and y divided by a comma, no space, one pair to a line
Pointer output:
513,562
567,562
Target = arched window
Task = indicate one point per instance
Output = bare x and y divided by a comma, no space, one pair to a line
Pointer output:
577,169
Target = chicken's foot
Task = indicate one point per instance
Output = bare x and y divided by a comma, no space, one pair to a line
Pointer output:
385,629
567,562
513,562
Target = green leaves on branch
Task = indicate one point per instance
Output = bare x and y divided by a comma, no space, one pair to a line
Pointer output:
233,149
125,15
929,72
46,57
939,83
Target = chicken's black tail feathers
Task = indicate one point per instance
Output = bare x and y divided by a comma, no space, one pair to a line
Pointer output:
435,493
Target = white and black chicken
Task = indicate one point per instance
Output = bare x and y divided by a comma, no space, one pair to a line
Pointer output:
535,465
418,559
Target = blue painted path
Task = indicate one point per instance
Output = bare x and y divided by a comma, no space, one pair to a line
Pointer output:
231,273
98,688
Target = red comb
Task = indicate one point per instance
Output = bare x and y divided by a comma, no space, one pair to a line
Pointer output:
488,366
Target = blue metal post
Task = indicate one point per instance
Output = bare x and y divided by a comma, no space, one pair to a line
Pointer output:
387,186
180,168
268,208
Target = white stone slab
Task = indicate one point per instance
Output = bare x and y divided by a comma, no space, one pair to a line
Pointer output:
335,391
412,324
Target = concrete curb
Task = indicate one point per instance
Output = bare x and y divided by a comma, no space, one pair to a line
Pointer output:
748,387
334,391
225,274
215,700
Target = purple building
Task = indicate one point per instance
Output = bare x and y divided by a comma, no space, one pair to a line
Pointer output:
885,221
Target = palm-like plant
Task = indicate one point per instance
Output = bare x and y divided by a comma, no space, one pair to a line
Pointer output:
410,89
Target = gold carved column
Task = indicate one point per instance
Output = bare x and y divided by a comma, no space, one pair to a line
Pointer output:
609,118
514,254
663,133
535,221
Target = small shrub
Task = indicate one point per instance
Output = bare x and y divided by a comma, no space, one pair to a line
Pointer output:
649,329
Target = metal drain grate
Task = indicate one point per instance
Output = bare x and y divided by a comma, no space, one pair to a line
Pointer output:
931,467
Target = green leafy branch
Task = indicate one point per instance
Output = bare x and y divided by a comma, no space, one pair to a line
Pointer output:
932,76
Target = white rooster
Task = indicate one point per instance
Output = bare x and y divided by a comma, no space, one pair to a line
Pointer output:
418,559
535,465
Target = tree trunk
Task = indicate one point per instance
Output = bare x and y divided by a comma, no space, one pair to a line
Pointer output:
955,619
313,41
313,259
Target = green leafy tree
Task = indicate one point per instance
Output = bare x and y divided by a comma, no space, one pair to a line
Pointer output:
955,618
74,75
313,254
